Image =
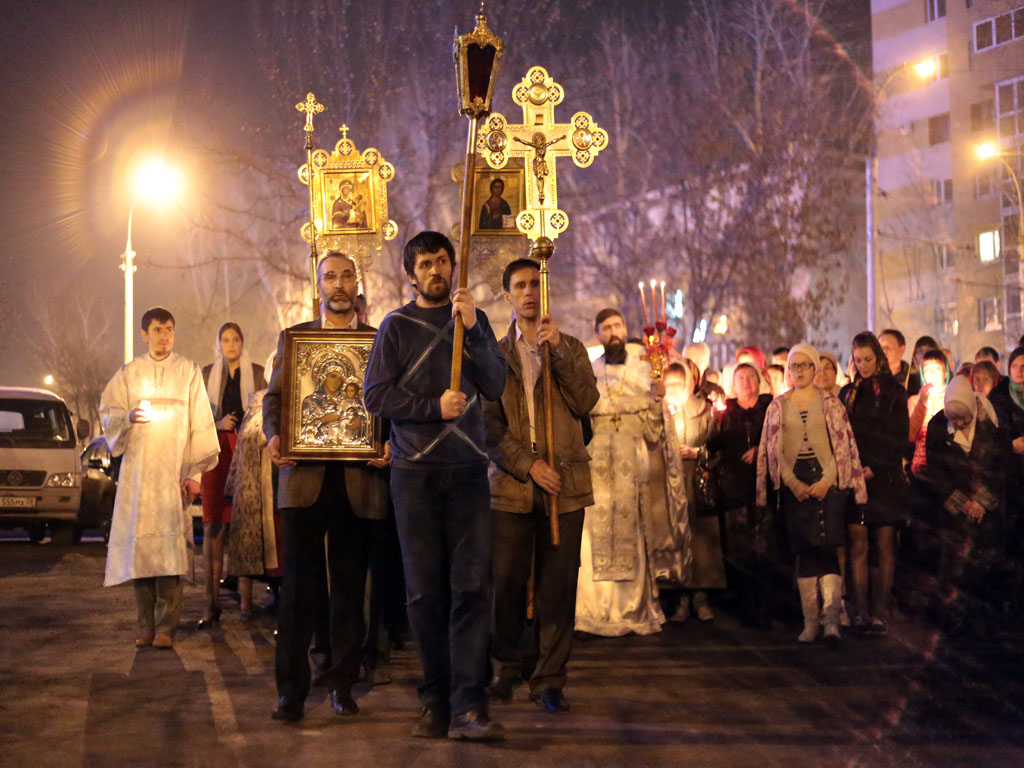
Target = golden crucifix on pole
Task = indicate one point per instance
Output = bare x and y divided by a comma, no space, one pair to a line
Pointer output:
539,140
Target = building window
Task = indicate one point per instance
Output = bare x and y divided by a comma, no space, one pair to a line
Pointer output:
947,257
938,129
1010,107
988,245
999,30
984,182
988,314
935,9
947,320
983,116
942,191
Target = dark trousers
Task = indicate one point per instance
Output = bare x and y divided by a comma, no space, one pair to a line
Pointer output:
386,617
746,538
444,526
516,538
347,553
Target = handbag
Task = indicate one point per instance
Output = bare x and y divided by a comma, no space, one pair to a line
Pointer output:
706,482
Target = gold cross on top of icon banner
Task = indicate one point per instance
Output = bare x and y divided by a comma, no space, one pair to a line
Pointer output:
540,140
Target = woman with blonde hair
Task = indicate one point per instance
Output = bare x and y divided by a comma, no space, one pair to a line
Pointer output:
808,452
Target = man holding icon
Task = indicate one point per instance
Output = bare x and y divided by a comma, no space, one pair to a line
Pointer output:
156,413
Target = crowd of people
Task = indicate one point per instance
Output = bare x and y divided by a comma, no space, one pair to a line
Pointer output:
673,493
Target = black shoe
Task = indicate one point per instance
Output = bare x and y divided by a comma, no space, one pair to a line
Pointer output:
343,704
501,690
287,711
432,724
475,725
552,699
211,620
229,583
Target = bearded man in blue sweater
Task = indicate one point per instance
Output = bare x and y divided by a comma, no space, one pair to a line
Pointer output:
439,483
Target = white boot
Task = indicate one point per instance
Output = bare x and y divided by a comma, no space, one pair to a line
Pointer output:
832,599
809,602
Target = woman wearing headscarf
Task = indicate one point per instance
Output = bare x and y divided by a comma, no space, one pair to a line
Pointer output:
747,527
808,451
967,456
230,379
691,558
1008,400
254,543
877,407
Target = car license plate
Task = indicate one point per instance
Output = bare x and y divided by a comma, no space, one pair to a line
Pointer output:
17,502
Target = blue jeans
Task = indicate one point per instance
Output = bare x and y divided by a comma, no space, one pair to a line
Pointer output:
444,526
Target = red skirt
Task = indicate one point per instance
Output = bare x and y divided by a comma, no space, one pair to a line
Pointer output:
216,508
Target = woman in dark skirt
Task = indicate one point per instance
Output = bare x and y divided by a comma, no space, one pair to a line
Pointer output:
877,407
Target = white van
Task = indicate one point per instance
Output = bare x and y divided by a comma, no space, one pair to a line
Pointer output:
40,473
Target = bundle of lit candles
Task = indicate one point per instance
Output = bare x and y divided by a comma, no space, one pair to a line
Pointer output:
654,305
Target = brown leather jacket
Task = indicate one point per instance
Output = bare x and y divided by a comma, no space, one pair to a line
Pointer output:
508,429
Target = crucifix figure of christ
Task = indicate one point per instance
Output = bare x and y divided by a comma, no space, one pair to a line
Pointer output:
581,139
540,165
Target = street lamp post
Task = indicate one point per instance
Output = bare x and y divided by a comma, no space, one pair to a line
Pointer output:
154,181
924,69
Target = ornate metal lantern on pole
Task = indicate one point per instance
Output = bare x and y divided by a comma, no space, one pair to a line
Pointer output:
477,59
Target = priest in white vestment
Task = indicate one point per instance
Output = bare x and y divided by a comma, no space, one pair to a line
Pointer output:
616,593
156,413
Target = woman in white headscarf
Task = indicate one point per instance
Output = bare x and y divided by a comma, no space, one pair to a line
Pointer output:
967,458
230,380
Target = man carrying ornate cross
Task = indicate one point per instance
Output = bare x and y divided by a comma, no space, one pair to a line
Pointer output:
523,485
439,483
616,593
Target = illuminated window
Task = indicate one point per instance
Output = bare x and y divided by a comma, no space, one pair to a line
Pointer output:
988,245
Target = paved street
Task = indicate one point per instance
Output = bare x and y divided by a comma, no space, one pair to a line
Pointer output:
76,693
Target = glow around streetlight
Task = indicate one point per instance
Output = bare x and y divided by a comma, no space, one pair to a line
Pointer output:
986,150
48,380
157,182
925,68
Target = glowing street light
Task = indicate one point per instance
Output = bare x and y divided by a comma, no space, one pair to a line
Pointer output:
155,182
48,380
924,69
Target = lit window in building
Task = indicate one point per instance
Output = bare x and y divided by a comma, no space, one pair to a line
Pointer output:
988,245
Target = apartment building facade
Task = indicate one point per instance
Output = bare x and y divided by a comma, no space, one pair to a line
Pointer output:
946,230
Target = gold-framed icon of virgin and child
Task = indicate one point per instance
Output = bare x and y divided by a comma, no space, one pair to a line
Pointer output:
323,413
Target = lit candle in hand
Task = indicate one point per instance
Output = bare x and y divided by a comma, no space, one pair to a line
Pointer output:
654,300
643,301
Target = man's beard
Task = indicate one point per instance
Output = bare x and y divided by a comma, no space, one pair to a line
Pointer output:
615,351
435,290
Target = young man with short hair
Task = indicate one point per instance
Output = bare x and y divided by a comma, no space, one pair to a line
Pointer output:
156,413
523,485
439,483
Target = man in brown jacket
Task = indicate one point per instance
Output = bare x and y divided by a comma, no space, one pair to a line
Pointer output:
522,484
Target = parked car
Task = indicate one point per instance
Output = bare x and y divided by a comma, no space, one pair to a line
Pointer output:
40,474
99,485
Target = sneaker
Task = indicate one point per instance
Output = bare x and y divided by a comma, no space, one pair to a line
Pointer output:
432,724
475,725
878,627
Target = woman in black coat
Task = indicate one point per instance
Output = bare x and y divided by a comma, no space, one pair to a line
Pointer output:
877,406
747,529
968,455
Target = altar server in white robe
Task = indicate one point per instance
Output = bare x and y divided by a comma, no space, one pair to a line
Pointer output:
156,413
